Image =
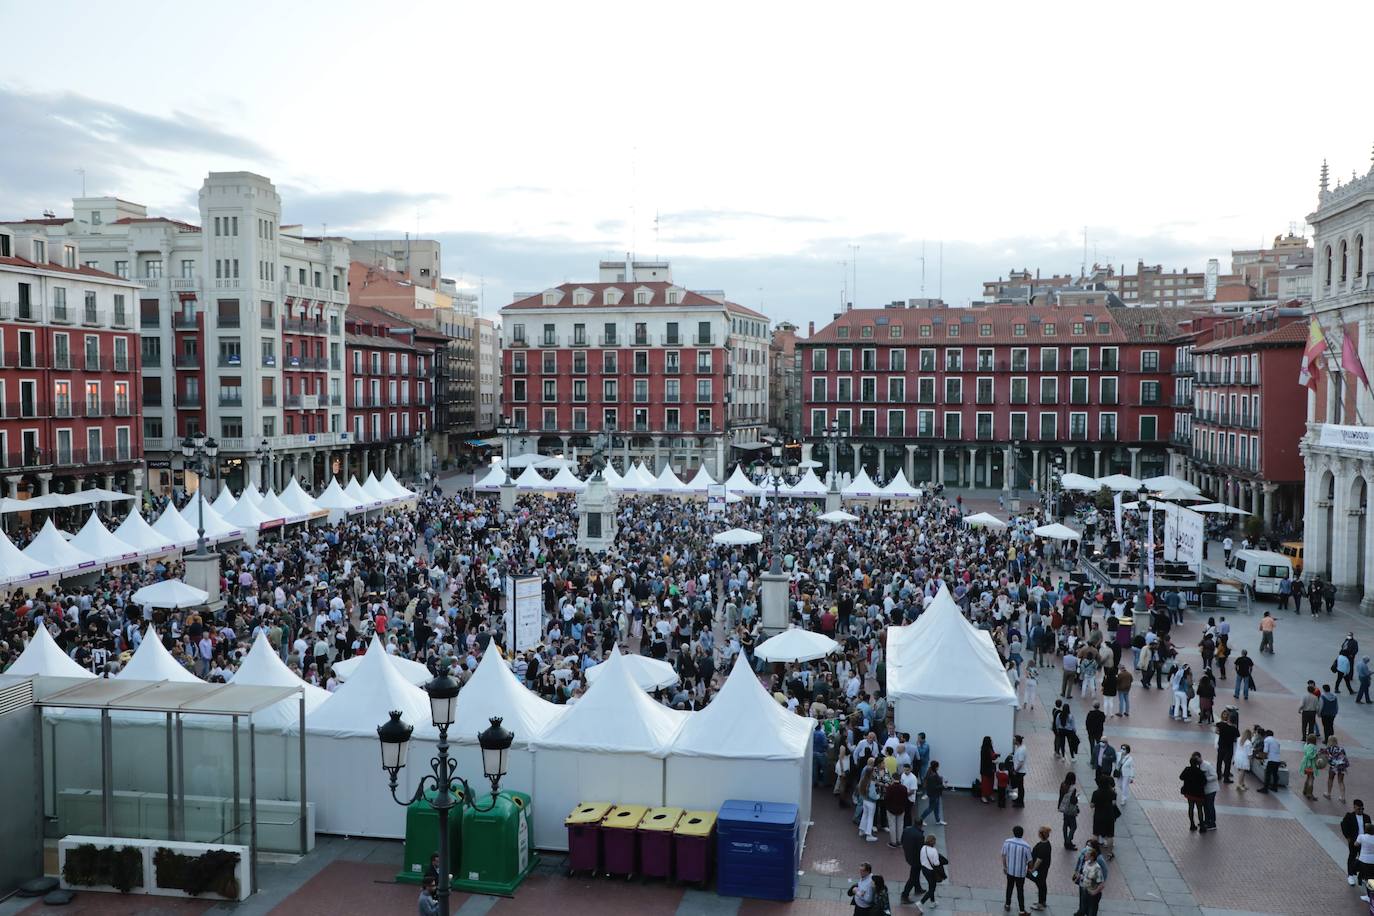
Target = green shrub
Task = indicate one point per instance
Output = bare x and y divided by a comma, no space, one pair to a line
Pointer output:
89,865
211,871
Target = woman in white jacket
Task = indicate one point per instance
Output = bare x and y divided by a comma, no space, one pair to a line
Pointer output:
1125,774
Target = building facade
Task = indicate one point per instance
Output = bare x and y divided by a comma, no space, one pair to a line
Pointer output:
240,324
488,374
784,382
391,394
994,396
1338,448
69,386
673,375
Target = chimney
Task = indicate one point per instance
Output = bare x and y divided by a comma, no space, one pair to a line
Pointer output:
811,329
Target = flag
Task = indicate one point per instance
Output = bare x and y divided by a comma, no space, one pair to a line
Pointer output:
1310,369
1350,358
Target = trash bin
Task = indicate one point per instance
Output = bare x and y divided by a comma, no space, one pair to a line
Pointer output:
497,853
656,842
694,846
619,832
422,839
584,837
759,850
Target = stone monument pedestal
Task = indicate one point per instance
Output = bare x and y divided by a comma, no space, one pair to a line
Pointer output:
832,500
508,491
596,521
774,602
202,571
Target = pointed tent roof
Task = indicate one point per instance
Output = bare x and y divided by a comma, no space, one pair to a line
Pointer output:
263,667
530,479
944,657
355,491
251,493
137,533
615,716
810,486
274,508
744,721
645,480
667,481
612,477
373,488
224,501
14,564
565,481
899,488
1119,483
172,526
246,515
334,497
700,481
43,658
493,691
152,662
391,485
172,593
741,484
628,482
413,672
1080,483
862,486
52,550
365,700
95,539
297,500
493,479
216,527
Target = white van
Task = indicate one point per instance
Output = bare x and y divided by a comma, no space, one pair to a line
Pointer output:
1261,571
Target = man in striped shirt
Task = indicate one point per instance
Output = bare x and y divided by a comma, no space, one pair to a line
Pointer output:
1016,855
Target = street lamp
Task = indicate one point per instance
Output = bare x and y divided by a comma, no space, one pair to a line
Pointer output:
450,790
831,435
507,430
264,453
200,454
1141,622
419,443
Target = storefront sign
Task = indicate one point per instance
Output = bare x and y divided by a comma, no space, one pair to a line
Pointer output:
1356,437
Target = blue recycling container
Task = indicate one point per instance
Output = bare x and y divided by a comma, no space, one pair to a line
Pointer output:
758,850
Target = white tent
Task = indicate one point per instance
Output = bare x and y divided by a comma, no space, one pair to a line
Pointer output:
649,673
274,508
668,482
984,520
246,516
42,658
14,565
700,481
609,745
251,494
216,528
373,488
493,480
736,537
643,480
52,551
1057,532
553,463
343,731
494,691
95,539
861,487
390,484
527,460
335,498
530,479
741,484
1079,483
413,672
796,645
137,533
899,488
1119,483
172,593
837,517
263,667
299,501
224,501
172,526
152,662
742,745
566,482
1219,509
946,679
809,487
354,491
1168,482
612,476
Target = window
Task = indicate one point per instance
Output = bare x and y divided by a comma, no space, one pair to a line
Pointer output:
1149,393
1049,359
842,420
1049,391
550,337
927,360
985,391
1049,427
609,389
894,331
672,362
704,366
868,360
952,329
517,362
550,387
122,269
1018,330
844,360
954,425
866,330
517,334
1020,387
579,362
925,423
1109,358
985,330
641,362
842,332
818,360
1078,390
672,391
985,360
954,360
925,391
1149,361
517,389
896,423
925,330
610,363
1047,329
1078,359
1106,427
579,335
1149,428
1107,390
1077,329
868,389
896,390
954,391
641,391
844,389
1078,426
1018,425
896,360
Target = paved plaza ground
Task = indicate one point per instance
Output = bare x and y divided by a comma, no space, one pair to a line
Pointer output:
1273,853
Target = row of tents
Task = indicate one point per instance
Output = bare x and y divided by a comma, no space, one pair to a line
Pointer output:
54,553
616,743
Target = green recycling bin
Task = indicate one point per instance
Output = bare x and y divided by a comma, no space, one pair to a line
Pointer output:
498,850
422,839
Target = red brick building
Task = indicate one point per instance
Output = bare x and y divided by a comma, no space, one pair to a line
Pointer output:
1244,368
69,388
390,392
952,394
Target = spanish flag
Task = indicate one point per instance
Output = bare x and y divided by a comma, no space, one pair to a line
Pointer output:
1310,370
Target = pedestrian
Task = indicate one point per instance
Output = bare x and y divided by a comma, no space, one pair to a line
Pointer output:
1226,550
1209,792
861,891
1354,823
1366,843
868,800
1016,856
1363,673
932,869
1104,759
1337,762
882,903
1241,759
1194,785
1105,813
1019,766
913,838
1272,760
1091,877
1068,807
1285,590
1308,707
896,801
1182,685
987,770
1330,706
1309,766
820,749
1206,697
428,904
1125,774
1094,723
1344,667
1124,680
1227,734
1266,628
1314,596
1039,870
1245,667
934,785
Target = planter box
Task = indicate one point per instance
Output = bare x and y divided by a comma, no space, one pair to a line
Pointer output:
148,848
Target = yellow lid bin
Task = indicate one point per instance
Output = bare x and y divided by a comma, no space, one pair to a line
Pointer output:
661,819
696,823
625,817
588,813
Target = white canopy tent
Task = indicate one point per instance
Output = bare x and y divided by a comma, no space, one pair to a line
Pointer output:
275,509
1218,509
667,482
354,491
172,526
984,520
138,534
51,550
224,501
251,494
343,731
741,484
527,460
391,485
95,539
861,487
216,528
1119,483
808,487
15,566
373,488
413,672
63,500
736,537
649,673
247,516
1169,482
610,744
566,482
899,488
263,667
494,479
643,480
839,516
335,499
170,593
1079,483
743,744
152,662
946,679
1058,532
796,645
701,481
299,501
43,658
611,476
530,479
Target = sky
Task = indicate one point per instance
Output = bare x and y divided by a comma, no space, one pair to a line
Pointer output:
796,155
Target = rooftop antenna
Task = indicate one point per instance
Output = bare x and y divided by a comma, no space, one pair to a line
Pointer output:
82,173
854,266
655,233
923,268
1083,272
942,270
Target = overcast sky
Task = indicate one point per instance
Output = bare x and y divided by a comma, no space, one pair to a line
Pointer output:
750,143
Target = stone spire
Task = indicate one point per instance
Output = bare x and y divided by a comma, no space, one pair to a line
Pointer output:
1326,174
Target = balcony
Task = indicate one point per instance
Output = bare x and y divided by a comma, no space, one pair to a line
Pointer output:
336,400
231,400
153,320
28,311
670,340
91,317
230,360
187,399
579,340
61,315
984,433
1078,435
188,361
152,398
122,364
704,340
336,365
61,361
184,322
1047,401
268,322
185,284
1183,367
62,409
123,407
549,340
226,283
517,342
227,321
1179,439
1181,400
292,400
91,363
704,427
608,340
1106,435
269,399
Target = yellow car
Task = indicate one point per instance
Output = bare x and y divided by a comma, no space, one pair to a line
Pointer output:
1293,551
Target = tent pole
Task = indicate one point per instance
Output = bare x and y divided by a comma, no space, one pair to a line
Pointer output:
181,782
106,774
238,798
253,801
305,838
171,783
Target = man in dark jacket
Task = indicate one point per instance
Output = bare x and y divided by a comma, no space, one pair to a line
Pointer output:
913,838
1095,722
1353,824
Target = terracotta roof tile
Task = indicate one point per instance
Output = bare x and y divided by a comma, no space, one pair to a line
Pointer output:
1003,319
82,271
1292,333
130,220
658,297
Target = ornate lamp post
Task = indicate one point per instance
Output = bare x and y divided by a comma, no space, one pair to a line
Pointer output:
199,454
450,789
1140,621
832,436
507,430
264,453
1015,472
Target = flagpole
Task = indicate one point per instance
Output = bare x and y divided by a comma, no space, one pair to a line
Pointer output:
1335,367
